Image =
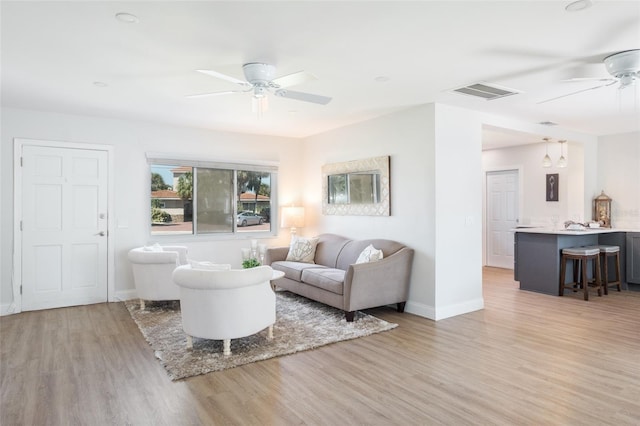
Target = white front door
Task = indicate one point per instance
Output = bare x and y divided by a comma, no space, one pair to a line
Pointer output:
64,225
502,217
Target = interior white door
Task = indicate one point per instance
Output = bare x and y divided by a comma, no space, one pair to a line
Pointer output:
502,217
64,225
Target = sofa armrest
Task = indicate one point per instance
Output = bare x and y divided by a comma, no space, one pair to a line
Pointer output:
384,282
275,254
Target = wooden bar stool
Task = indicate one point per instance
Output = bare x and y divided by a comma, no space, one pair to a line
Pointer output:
605,253
580,256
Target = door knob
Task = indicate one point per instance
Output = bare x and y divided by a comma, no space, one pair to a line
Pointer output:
101,233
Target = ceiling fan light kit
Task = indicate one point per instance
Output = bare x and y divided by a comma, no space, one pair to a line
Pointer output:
624,66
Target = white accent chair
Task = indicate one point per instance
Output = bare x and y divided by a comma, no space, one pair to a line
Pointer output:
152,269
225,304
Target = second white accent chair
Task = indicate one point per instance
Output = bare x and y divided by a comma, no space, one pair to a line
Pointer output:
152,268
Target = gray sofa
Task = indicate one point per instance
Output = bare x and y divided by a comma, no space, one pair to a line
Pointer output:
334,279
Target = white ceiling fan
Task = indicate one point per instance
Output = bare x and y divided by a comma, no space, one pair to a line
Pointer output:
260,81
624,67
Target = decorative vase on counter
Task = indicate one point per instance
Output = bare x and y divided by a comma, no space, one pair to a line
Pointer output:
602,210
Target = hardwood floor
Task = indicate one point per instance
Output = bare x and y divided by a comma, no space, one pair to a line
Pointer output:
525,359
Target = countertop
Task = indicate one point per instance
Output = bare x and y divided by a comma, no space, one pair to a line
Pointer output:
588,231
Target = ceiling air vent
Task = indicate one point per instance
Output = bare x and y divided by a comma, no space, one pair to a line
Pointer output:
485,91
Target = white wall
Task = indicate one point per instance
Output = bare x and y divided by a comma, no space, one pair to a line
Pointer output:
435,199
407,137
535,209
619,177
458,203
131,140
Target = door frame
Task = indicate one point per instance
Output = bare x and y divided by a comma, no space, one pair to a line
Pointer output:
485,173
18,143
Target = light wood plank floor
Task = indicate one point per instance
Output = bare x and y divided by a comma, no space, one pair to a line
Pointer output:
525,359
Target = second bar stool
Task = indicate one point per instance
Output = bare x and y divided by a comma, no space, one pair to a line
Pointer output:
605,253
579,257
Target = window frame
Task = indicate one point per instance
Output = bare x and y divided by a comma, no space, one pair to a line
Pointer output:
235,166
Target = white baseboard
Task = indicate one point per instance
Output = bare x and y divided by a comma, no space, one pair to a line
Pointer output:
459,309
432,313
123,295
118,297
420,309
4,309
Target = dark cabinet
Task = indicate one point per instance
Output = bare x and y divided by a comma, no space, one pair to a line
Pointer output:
633,257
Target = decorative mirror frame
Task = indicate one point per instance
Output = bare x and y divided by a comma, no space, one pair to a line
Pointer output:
381,208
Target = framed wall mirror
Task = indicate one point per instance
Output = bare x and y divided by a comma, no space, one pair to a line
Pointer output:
359,187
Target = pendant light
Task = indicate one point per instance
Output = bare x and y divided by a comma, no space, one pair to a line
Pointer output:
562,162
546,161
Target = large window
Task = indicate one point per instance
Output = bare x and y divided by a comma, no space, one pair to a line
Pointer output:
202,198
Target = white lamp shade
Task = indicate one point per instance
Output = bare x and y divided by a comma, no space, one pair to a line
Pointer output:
292,217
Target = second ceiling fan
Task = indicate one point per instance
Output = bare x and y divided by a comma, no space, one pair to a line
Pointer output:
260,80
623,67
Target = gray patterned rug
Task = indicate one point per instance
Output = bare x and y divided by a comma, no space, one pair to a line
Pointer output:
301,324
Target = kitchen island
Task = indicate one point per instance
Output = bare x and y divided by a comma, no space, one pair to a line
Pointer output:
538,251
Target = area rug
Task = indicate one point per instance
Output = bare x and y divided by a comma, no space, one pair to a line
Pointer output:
301,324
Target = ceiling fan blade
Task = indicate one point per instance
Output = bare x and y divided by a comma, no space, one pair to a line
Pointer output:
575,93
224,77
579,79
301,96
204,95
294,79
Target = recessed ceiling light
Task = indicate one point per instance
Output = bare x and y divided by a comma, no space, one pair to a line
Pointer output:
382,79
578,5
127,18
100,84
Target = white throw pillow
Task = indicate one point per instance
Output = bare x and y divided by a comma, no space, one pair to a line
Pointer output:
370,254
302,249
208,266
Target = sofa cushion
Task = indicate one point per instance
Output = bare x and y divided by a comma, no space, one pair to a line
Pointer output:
329,279
329,248
293,270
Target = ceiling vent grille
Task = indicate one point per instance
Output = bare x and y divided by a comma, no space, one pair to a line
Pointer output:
485,91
